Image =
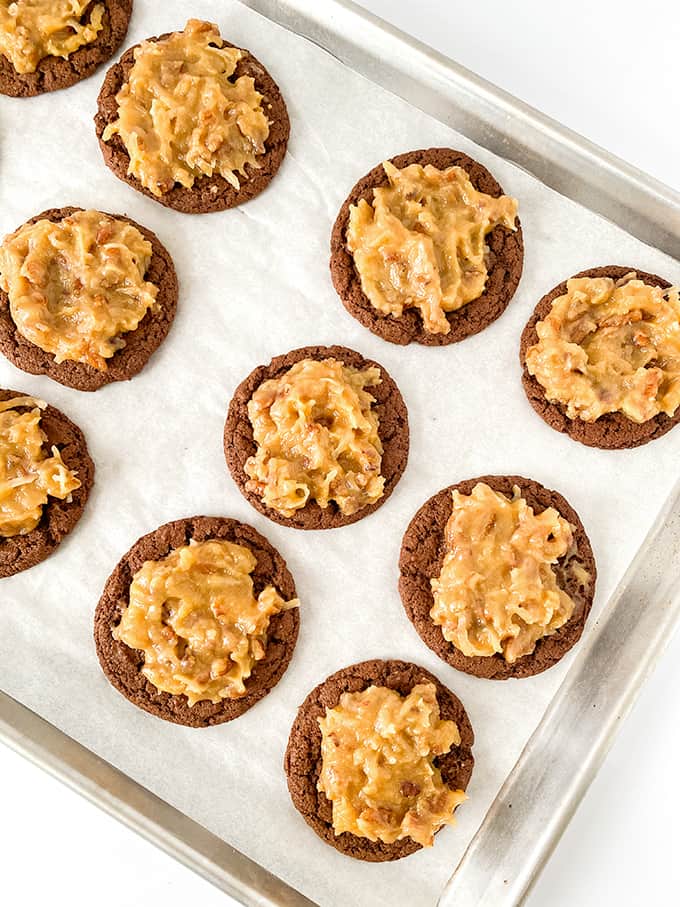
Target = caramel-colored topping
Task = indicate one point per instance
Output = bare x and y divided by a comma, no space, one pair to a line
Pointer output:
33,29
195,617
498,591
76,285
609,347
377,764
317,438
181,115
28,476
420,244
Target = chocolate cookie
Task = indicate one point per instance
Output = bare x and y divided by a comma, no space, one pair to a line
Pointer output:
122,665
422,554
209,193
55,72
20,552
140,344
506,250
302,761
612,431
239,443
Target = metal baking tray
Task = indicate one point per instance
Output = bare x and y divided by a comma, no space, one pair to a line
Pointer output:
511,846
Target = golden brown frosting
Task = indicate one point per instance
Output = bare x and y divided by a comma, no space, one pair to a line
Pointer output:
76,285
28,475
421,242
317,438
182,115
195,616
33,29
610,346
497,591
378,750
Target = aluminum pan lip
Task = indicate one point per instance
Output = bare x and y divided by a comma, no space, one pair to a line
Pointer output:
642,206
558,764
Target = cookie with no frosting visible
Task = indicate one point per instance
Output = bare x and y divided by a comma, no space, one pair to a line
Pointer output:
53,73
422,555
209,193
123,665
19,552
239,443
612,431
140,344
303,755
506,254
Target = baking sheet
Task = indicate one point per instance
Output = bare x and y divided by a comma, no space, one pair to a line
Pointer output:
254,283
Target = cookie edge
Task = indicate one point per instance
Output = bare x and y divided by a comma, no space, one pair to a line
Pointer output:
153,701
237,416
16,85
79,375
372,851
225,196
493,667
86,471
347,282
612,431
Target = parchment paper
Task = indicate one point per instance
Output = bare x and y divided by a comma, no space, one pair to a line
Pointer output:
254,283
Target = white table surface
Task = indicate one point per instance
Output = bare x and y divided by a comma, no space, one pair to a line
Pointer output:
610,70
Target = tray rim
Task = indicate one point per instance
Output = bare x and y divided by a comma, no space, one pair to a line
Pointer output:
648,209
